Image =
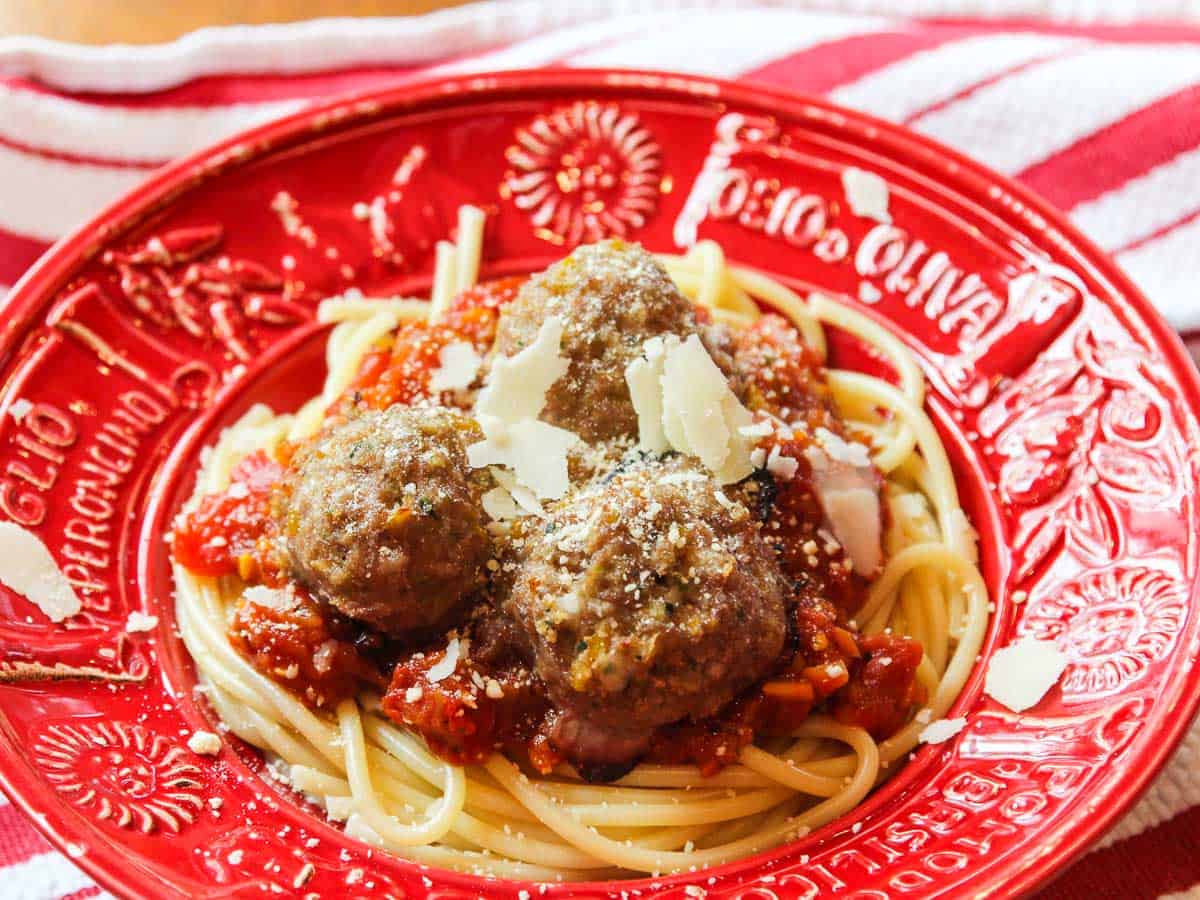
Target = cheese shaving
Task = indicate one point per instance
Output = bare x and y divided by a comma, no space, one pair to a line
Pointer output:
1020,674
523,496
507,410
31,571
517,385
459,364
941,731
694,411
846,487
500,505
644,377
866,193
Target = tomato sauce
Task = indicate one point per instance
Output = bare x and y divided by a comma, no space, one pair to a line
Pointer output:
463,717
231,533
489,704
305,646
399,369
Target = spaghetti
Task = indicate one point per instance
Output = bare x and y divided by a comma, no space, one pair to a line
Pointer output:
496,819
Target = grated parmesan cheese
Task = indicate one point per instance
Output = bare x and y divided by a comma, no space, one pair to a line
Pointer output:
941,731
139,621
782,467
458,365
757,430
1020,674
36,576
866,193
204,743
445,666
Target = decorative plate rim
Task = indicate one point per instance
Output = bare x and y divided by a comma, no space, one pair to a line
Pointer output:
1075,831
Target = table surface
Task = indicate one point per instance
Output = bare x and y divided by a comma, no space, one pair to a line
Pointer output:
150,21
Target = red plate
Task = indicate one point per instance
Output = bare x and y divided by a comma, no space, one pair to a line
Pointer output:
1068,406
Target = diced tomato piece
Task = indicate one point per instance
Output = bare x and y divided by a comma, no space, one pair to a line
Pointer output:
883,689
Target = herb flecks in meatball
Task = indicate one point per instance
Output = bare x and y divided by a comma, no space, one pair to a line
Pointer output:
382,518
611,297
648,600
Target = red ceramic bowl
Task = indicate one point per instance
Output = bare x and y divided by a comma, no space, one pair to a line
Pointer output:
1067,405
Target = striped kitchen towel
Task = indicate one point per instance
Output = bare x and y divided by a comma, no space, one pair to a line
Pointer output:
81,126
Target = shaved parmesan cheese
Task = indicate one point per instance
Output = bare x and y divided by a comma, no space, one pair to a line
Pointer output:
517,385
31,571
961,523
941,731
500,505
139,621
205,743
758,457
1020,674
507,410
459,364
695,412
644,377
866,193
849,495
445,666
523,496
19,409
535,451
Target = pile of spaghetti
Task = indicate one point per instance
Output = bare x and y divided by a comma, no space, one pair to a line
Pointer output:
404,592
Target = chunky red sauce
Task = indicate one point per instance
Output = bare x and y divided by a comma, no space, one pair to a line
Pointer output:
229,533
305,646
469,713
481,707
400,368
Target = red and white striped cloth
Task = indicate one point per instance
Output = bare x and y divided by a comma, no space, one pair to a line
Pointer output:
1101,119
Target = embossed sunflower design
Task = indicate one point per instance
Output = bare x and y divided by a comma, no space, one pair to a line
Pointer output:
1113,624
584,172
121,773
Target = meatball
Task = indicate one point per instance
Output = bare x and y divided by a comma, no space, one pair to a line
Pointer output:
647,600
611,297
381,518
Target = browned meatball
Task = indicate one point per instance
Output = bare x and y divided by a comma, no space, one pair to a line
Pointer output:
382,518
647,600
611,297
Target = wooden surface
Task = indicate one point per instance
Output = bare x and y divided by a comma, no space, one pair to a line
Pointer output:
150,21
